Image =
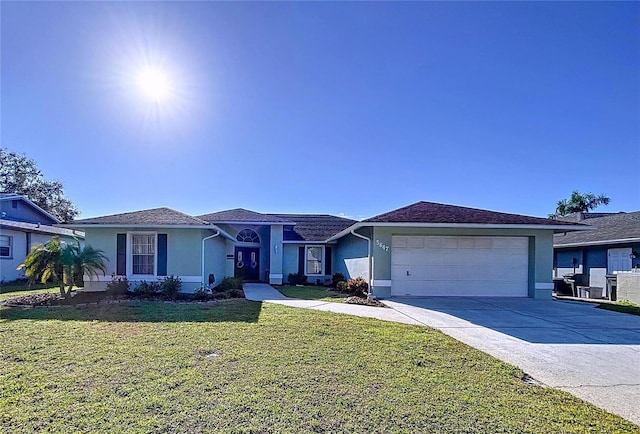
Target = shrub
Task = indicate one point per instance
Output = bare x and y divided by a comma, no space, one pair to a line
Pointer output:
236,293
118,286
297,279
357,286
147,289
341,286
337,277
201,294
229,283
170,286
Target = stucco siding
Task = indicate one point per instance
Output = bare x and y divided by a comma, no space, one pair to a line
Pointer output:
289,260
184,248
215,259
8,265
20,248
350,257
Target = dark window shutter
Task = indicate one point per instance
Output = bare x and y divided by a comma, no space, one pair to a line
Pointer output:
327,261
121,255
300,261
162,254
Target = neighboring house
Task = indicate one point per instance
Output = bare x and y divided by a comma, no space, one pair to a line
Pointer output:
612,246
22,225
424,249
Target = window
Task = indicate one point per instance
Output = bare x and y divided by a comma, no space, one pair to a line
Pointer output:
143,253
6,243
314,255
248,236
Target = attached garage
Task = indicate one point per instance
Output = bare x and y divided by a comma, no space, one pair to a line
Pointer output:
432,249
460,266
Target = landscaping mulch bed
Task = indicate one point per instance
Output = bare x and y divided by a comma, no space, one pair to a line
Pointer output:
43,299
77,298
365,301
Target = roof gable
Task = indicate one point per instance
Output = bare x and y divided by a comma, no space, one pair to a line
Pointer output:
241,215
607,227
156,217
431,212
27,211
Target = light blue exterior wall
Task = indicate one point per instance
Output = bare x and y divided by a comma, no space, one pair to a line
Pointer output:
289,260
184,247
215,259
349,251
275,255
540,254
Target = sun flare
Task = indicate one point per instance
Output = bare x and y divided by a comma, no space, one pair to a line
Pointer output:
154,84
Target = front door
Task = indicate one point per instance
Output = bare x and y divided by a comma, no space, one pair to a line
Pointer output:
247,263
619,260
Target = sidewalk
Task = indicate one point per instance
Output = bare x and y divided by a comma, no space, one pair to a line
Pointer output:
266,293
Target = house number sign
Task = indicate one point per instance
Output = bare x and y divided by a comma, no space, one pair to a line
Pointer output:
382,246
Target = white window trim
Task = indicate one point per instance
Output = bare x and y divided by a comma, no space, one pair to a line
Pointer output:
130,255
322,260
10,255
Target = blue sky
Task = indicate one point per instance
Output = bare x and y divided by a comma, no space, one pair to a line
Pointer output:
353,108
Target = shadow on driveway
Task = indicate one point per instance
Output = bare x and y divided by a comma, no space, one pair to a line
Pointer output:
534,321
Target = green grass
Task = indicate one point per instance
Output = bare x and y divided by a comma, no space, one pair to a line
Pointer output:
313,293
621,306
139,367
14,289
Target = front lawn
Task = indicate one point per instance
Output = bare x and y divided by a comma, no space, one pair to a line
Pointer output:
313,293
242,366
622,306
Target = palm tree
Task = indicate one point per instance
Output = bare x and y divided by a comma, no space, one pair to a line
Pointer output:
61,260
580,202
89,261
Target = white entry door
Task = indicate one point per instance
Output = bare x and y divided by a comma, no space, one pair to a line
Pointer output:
459,266
619,260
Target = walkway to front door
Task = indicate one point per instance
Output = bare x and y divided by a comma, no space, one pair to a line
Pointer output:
247,263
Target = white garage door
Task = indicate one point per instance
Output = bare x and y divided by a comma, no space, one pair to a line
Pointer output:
459,266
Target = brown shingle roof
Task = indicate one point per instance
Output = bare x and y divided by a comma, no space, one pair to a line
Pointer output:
430,212
313,227
608,227
156,216
242,215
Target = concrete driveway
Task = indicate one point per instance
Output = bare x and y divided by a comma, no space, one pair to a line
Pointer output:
591,353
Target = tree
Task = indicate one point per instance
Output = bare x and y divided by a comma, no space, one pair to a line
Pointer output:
579,202
20,174
62,261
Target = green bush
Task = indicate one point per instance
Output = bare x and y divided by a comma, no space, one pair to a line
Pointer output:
341,286
297,279
357,286
229,283
201,294
236,293
337,277
147,289
118,286
170,286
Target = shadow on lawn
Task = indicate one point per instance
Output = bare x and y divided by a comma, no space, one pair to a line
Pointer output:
142,311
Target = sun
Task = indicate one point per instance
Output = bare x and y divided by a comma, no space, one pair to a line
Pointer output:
154,83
